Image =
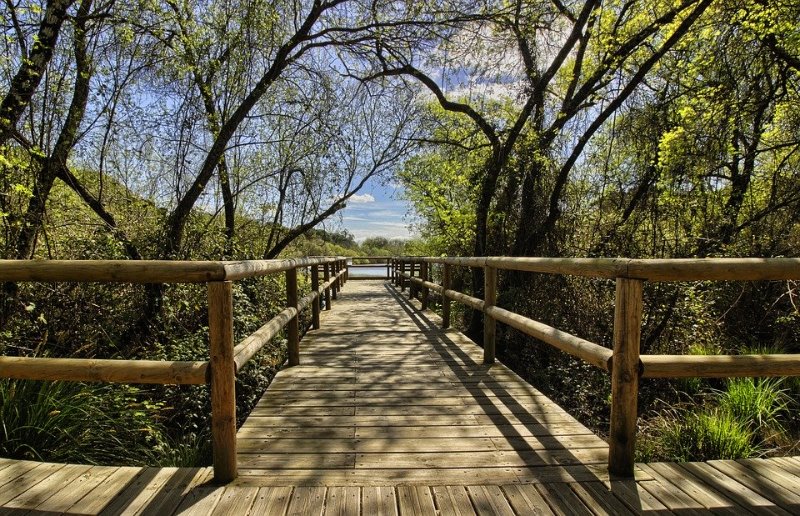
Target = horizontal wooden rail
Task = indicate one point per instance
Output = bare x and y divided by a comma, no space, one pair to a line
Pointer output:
589,352
656,270
146,271
719,366
624,361
104,370
251,345
226,359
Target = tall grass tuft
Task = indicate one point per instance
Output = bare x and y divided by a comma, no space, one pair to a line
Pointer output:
758,403
74,422
699,436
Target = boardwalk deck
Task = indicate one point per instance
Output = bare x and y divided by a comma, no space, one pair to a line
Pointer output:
390,415
384,396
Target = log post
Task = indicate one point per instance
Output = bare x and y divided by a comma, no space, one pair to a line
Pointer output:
412,287
423,274
446,280
223,380
315,302
335,284
489,324
625,376
325,278
293,327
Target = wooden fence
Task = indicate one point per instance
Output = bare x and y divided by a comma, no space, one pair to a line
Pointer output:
371,262
623,362
225,358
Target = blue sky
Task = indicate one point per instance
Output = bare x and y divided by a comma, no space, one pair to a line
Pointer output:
377,210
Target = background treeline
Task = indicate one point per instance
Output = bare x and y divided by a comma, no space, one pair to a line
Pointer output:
179,129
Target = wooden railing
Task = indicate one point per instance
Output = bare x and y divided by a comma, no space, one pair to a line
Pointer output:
624,361
358,262
225,358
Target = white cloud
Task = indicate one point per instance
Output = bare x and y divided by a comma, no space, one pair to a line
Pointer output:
362,199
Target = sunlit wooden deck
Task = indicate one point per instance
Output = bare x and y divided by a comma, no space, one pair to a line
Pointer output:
388,414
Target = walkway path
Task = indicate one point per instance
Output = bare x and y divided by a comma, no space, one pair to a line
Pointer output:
390,415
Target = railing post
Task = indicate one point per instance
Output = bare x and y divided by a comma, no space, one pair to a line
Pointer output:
293,327
489,325
223,380
326,276
446,280
402,275
423,274
388,268
315,302
335,284
625,376
412,287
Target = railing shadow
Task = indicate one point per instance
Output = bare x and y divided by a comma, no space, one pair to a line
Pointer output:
518,442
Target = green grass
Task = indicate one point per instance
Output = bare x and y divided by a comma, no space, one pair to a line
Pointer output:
698,436
80,423
758,403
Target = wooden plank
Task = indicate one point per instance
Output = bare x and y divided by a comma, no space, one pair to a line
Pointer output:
475,430
136,497
415,500
343,501
769,487
307,501
674,499
490,500
27,480
453,500
37,494
170,495
378,501
473,459
97,499
290,445
525,499
599,499
200,501
279,461
672,475
562,499
272,501
65,500
731,488
636,497
235,500
15,469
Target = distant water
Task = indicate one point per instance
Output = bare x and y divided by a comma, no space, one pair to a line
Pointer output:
360,272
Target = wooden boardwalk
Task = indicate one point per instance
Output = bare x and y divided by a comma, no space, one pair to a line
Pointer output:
388,414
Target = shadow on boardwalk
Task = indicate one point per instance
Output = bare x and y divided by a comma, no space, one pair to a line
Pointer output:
389,414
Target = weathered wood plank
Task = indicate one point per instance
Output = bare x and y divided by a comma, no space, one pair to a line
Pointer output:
415,500
378,501
272,500
235,501
525,499
453,500
490,500
307,501
343,501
